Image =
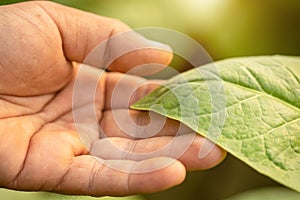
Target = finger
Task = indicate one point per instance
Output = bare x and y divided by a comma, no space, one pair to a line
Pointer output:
134,124
185,148
89,176
122,90
81,32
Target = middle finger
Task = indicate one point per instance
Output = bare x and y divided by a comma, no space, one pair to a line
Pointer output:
134,124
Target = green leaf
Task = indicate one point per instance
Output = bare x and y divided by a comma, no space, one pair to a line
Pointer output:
249,106
16,195
274,193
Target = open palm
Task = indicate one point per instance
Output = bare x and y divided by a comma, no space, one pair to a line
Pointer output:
50,139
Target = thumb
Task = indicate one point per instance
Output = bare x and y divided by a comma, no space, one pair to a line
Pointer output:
104,42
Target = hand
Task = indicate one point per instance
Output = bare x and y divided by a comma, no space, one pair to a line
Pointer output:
40,148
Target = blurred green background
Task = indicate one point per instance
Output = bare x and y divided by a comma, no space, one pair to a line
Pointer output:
225,28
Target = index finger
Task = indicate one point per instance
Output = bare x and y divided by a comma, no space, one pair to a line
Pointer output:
82,32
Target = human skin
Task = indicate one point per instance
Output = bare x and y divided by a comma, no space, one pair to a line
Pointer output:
40,149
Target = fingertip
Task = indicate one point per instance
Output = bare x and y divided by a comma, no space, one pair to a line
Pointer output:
145,61
210,154
215,157
162,53
180,171
168,173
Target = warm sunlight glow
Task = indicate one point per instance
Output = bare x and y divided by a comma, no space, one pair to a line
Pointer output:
202,14
203,8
